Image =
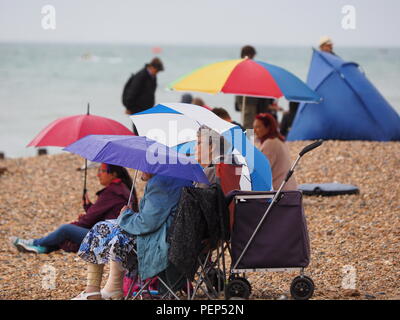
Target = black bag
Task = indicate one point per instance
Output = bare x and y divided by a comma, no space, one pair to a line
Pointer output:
328,189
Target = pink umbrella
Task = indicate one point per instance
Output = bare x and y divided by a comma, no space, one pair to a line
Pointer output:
66,130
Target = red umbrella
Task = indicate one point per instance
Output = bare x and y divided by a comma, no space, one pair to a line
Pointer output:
64,131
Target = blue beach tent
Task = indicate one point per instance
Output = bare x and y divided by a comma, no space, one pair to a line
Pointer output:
352,108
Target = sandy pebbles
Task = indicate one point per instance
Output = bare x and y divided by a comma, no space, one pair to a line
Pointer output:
354,239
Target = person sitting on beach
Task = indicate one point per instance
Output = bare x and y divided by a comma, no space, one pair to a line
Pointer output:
115,194
272,144
223,114
144,232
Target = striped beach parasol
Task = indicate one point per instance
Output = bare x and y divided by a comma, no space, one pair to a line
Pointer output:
246,77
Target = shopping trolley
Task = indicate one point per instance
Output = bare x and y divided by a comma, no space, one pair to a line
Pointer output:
270,234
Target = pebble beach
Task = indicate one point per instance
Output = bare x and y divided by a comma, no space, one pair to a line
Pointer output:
354,238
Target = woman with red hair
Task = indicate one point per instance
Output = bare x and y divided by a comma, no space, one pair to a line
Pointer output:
272,144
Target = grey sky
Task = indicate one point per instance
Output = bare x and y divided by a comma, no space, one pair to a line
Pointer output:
219,22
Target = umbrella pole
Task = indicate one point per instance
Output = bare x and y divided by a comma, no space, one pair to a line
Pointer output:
133,186
243,109
84,182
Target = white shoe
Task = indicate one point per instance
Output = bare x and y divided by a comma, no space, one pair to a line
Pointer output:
116,295
85,295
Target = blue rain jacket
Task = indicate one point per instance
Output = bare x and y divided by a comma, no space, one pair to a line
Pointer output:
151,223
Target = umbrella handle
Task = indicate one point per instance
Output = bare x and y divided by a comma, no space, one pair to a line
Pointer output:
133,186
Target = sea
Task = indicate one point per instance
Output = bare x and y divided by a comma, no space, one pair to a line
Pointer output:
40,83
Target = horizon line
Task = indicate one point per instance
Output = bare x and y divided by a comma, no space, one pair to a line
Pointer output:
189,44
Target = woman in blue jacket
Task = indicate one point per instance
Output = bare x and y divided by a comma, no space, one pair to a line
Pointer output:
145,232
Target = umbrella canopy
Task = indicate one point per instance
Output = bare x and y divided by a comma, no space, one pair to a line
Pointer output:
176,125
64,131
246,77
138,153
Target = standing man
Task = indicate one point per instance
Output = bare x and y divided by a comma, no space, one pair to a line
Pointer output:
253,106
139,91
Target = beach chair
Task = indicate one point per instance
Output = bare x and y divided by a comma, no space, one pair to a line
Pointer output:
228,176
211,224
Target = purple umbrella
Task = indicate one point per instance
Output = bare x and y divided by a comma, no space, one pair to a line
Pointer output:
138,153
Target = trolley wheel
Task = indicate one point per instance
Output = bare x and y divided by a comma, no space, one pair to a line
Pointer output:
242,279
302,288
238,288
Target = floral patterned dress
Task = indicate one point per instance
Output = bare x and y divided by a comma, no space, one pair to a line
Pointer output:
107,241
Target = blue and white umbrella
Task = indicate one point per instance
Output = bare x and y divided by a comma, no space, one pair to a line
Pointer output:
176,125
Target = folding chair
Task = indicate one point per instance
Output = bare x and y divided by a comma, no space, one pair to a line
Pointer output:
209,225
165,289
229,176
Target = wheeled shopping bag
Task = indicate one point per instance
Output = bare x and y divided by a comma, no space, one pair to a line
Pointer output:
269,233
282,240
281,243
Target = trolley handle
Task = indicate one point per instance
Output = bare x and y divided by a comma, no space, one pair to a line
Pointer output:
310,147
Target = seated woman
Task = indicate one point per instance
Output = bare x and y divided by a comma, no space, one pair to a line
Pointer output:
211,149
115,241
270,142
115,194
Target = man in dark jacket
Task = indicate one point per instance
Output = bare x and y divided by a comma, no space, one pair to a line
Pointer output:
139,91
